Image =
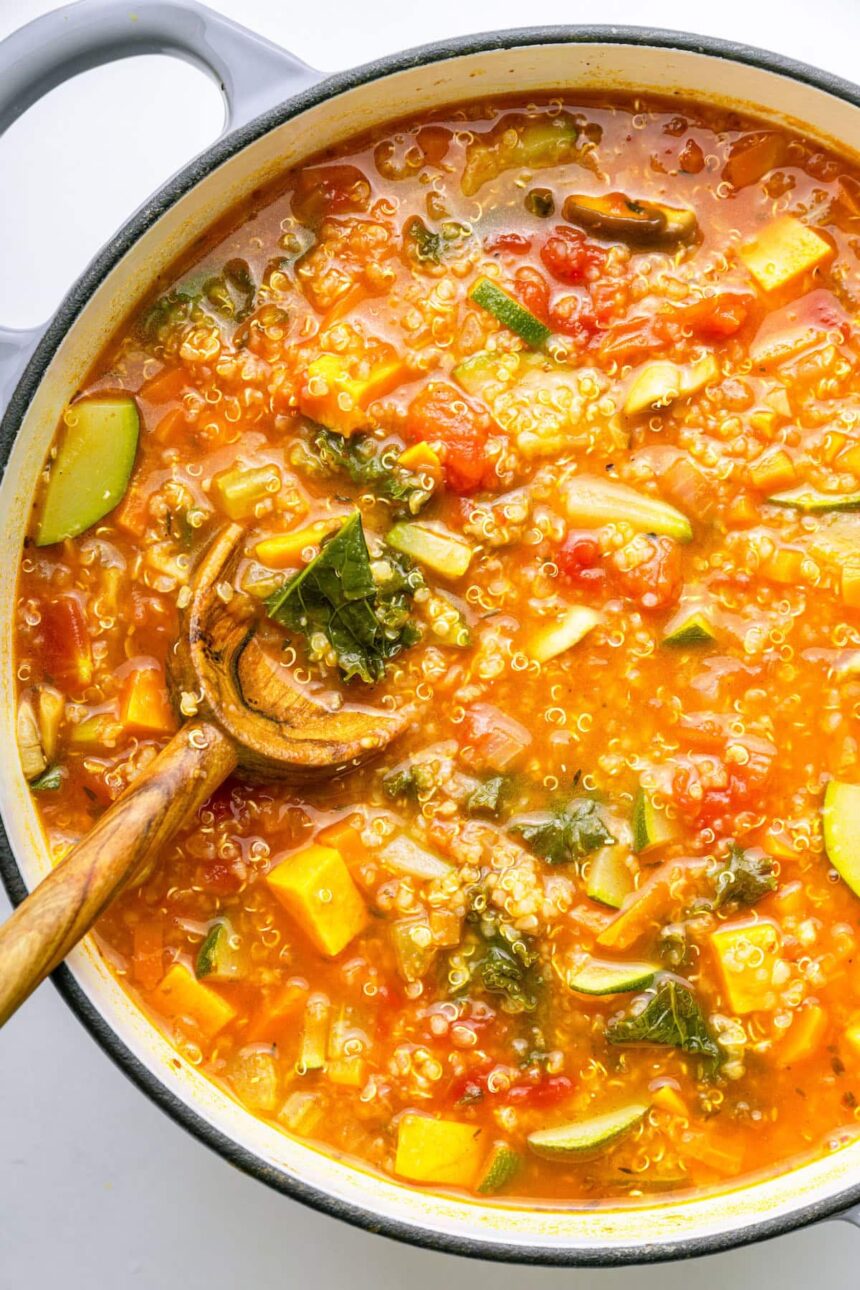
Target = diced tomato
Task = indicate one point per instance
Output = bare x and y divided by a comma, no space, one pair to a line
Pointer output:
715,317
630,341
532,289
329,190
546,1092
655,581
573,316
443,415
570,257
66,652
166,386
579,558
512,243
491,739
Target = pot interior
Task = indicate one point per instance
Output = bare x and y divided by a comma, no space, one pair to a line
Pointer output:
611,1233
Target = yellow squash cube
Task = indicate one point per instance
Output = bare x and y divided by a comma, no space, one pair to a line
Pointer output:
338,400
438,1151
315,886
180,994
782,251
747,954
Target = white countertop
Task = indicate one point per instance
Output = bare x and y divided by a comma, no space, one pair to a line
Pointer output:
96,1185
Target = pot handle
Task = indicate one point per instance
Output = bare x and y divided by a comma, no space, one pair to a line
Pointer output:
252,73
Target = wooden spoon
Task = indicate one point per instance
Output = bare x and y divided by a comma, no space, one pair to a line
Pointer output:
249,715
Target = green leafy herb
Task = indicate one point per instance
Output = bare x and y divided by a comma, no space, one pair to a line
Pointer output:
365,621
232,291
229,294
744,878
487,797
358,457
48,782
408,782
422,244
671,1016
503,971
567,834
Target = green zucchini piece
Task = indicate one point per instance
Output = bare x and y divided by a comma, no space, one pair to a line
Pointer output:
219,956
598,977
503,1164
609,880
841,820
90,473
590,502
573,1141
549,641
510,313
813,502
688,630
651,826
437,549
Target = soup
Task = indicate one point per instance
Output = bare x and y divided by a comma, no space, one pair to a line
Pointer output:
542,422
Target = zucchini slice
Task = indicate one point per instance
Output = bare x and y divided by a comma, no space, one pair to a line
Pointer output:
651,826
690,629
813,502
590,502
435,548
555,638
598,977
510,313
90,473
586,1137
503,1164
219,957
609,880
841,820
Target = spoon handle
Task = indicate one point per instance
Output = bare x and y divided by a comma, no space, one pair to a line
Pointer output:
122,845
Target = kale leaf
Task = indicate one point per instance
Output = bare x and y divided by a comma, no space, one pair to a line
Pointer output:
744,878
671,1016
567,834
502,970
48,782
408,782
487,797
422,244
366,622
357,456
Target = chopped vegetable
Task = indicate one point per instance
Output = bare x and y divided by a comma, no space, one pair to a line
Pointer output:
315,886
446,1152
783,251
336,595
33,760
48,782
565,835
315,1034
747,954
609,878
500,1168
600,977
414,949
651,826
510,313
180,995
590,502
547,642
813,502
487,797
285,550
340,401
623,219
689,629
220,956
242,490
408,781
431,545
91,470
145,703
405,856
744,878
381,471
841,821
659,384
586,1137
669,1014
517,141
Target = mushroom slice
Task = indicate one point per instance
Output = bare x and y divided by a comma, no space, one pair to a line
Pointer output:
622,219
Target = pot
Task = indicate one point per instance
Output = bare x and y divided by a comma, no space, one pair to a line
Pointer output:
278,112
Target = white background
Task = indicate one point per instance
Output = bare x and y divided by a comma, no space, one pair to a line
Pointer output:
96,1185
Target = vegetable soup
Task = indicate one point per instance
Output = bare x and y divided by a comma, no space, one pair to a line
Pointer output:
542,423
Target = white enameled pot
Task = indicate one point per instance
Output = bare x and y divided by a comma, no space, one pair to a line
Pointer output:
279,111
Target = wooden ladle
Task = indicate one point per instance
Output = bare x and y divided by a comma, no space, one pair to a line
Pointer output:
250,715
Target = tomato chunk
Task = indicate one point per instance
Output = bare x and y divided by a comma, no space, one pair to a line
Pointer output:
443,416
66,652
570,257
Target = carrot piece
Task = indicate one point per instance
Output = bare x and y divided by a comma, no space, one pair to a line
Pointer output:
345,838
165,386
645,907
145,704
133,511
171,424
669,1099
352,297
271,1017
805,1035
147,953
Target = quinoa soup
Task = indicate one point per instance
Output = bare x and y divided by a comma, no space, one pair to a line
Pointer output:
542,423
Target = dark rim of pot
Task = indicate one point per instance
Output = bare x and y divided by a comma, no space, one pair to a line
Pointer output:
71,307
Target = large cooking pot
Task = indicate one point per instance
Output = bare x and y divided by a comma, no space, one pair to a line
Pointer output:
278,112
